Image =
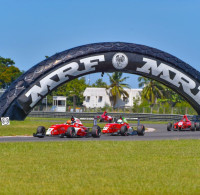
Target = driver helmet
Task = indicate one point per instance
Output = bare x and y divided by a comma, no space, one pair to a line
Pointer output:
119,121
69,122
72,120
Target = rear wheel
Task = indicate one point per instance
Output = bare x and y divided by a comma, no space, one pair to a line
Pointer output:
123,130
96,131
101,119
169,126
110,121
197,126
140,130
70,132
192,128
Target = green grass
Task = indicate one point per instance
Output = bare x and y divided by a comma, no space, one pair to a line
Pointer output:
100,167
29,125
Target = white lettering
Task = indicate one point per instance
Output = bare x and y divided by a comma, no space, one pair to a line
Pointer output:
164,71
62,73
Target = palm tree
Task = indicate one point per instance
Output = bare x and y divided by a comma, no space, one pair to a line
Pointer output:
117,86
152,89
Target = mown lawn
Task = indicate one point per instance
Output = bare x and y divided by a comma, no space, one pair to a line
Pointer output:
29,125
100,167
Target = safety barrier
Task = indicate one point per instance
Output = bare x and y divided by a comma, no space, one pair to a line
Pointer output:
91,115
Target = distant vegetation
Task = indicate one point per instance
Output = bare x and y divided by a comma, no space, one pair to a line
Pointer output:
8,72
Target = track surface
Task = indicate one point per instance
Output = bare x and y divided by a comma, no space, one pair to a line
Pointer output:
160,133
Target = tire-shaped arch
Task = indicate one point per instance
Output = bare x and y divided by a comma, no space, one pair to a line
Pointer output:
24,93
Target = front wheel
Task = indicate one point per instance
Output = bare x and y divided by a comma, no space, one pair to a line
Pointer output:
62,135
169,126
96,131
70,132
41,130
192,128
110,121
197,126
123,130
140,130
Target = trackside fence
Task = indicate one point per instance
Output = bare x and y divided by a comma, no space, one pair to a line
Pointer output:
91,115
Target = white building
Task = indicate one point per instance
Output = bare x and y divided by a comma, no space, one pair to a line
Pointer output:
59,103
99,97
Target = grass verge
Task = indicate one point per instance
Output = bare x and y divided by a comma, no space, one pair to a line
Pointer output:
106,167
29,125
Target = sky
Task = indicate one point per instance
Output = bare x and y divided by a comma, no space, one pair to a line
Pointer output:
31,30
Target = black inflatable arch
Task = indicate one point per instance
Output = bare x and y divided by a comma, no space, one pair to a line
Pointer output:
24,93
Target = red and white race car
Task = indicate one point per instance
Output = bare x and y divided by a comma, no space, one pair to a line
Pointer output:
73,128
122,127
184,124
105,117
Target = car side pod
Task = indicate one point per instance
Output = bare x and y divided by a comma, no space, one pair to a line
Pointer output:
40,133
141,130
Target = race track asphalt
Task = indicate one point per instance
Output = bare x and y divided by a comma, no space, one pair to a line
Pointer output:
160,133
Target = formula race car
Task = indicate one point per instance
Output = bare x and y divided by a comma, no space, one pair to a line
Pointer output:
184,125
73,128
105,117
122,127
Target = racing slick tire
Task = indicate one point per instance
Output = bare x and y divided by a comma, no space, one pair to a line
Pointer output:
41,132
101,119
192,128
140,130
197,126
62,135
169,126
110,121
96,131
41,129
123,130
70,132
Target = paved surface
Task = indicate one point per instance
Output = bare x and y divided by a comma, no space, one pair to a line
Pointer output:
160,133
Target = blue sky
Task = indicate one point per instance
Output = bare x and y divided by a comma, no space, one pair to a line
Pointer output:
33,29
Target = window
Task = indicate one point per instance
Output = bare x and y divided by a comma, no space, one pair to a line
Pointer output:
100,99
125,99
87,98
61,102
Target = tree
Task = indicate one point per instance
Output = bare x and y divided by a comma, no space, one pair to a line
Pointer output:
73,90
152,89
99,83
8,72
117,86
171,97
